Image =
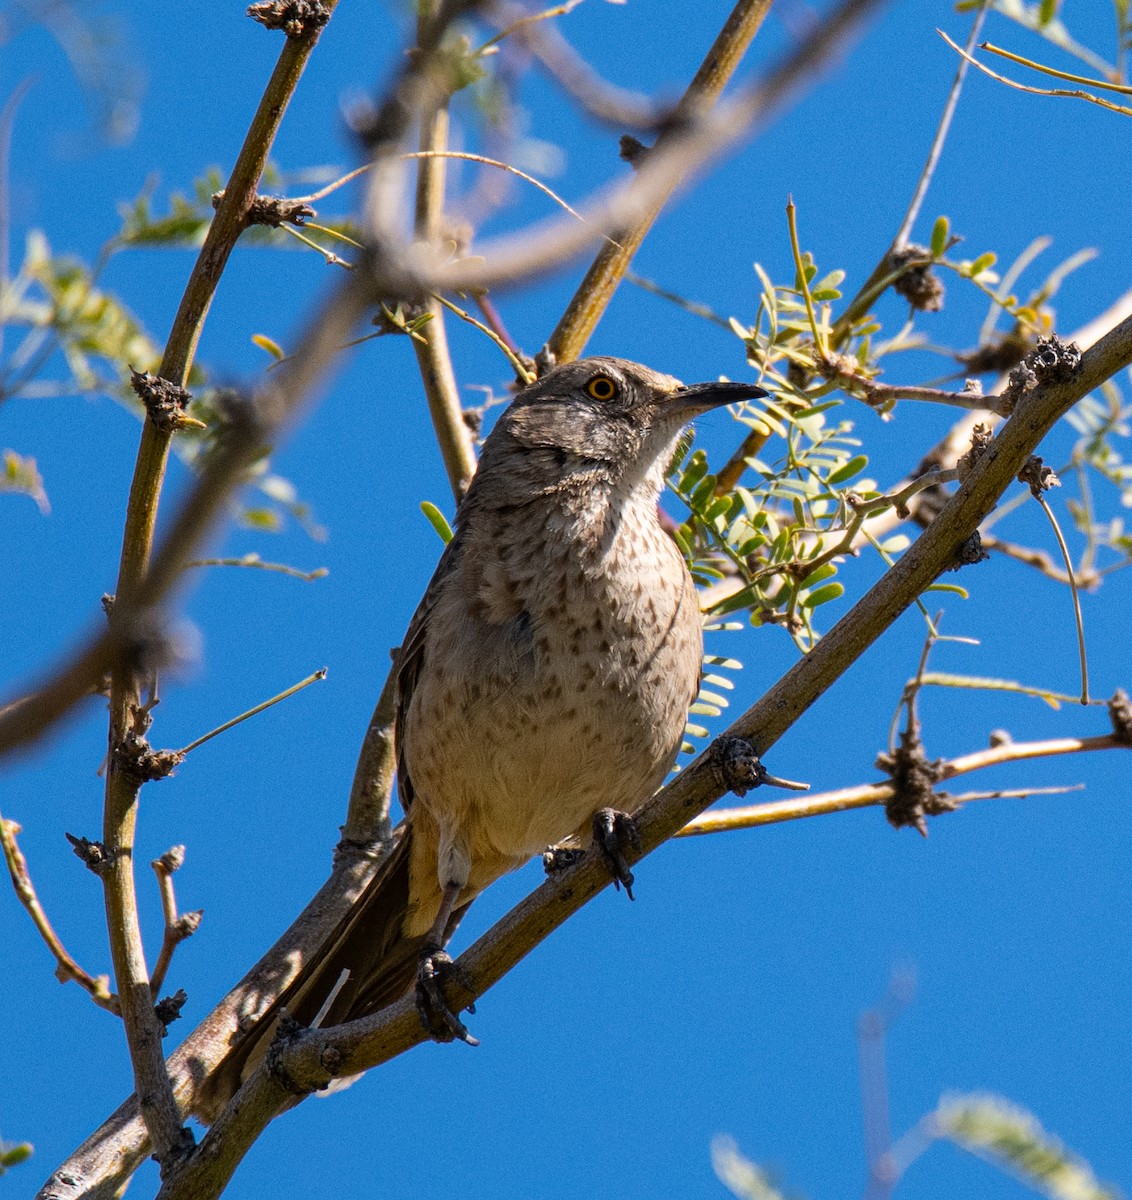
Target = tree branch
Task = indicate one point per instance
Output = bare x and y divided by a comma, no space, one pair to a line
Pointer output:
596,290
143,1029
65,966
433,357
310,1059
865,795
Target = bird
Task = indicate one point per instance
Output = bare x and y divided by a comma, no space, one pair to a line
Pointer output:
543,684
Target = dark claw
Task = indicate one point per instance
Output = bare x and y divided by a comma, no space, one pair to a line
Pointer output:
439,1021
558,858
614,830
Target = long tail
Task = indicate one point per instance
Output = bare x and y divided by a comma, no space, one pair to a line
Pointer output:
368,944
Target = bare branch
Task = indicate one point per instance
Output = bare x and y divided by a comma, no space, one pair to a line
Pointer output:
596,289
865,795
433,357
66,968
367,819
178,927
309,1060
143,1028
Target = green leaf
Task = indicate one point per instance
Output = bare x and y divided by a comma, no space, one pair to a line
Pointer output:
940,232
983,263
266,519
815,577
437,520
705,489
693,472
982,683
853,467
822,595
272,347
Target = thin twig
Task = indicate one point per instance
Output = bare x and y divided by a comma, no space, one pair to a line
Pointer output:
178,927
1063,93
602,100
1073,589
254,560
66,968
803,281
596,289
522,371
1122,89
502,166
7,123
433,357
317,677
1039,559
881,276
904,233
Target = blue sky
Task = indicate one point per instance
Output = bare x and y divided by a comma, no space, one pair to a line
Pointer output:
725,999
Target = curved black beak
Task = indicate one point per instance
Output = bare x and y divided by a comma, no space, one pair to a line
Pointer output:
700,397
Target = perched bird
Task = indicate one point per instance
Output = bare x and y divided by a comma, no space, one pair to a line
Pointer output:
544,681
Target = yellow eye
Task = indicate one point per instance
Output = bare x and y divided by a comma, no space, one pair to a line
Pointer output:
601,387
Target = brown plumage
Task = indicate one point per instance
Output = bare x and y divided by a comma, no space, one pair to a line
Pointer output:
546,674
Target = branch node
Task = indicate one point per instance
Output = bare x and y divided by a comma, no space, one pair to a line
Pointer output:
917,283
187,924
168,1009
93,854
981,438
1050,361
1037,476
172,860
1120,714
739,769
165,402
272,211
134,756
913,777
970,553
297,18
633,151
287,1033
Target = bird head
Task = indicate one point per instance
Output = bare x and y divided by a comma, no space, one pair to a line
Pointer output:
611,417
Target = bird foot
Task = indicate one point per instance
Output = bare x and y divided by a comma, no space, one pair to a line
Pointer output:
439,1021
615,831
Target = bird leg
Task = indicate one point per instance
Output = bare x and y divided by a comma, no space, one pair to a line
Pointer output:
613,832
434,967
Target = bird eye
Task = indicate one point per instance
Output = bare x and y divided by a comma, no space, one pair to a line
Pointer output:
601,387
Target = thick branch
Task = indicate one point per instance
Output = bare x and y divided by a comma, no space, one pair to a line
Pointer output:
143,1029
313,1058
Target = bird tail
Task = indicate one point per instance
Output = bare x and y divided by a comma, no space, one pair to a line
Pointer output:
369,946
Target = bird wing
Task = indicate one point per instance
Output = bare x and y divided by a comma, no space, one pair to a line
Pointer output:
411,660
